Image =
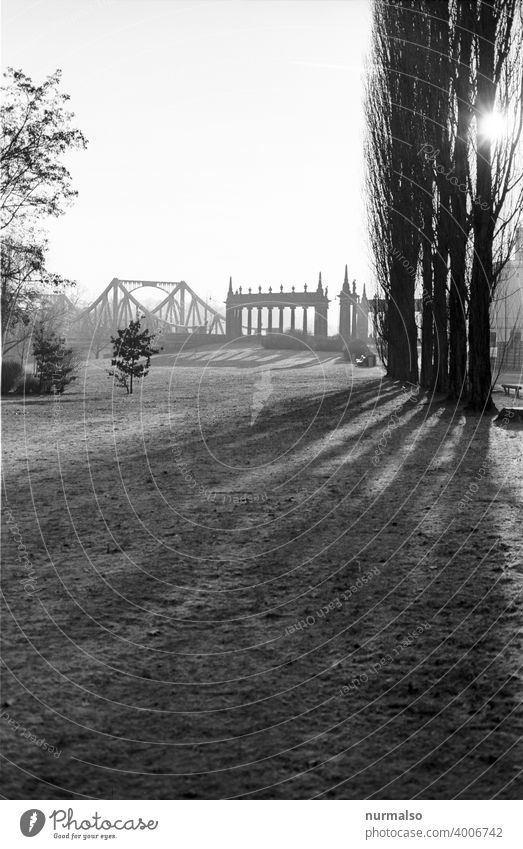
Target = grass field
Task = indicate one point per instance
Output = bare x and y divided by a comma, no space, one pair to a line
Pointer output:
292,586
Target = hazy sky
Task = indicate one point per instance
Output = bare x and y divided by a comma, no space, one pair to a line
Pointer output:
226,138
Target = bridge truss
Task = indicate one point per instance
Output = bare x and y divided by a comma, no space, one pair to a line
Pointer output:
182,310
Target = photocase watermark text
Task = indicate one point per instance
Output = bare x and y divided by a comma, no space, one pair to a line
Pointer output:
38,741
335,603
384,661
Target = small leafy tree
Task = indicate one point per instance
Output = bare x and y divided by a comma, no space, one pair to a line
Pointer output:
132,352
55,364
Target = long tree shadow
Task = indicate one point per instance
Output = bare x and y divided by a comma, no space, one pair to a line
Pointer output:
226,696
443,707
317,416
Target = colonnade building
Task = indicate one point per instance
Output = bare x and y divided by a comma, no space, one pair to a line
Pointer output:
254,312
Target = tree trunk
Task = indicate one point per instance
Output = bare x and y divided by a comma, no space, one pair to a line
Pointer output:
440,42
402,333
440,269
427,332
457,325
459,192
480,374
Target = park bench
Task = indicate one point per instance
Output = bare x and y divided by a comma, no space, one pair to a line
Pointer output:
509,415
366,360
515,386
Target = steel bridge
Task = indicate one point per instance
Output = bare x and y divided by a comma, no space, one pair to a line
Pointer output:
181,311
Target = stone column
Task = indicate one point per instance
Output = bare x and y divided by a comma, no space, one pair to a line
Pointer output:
293,318
344,329
362,324
260,322
249,321
305,319
230,319
363,316
281,319
354,323
345,305
320,320
269,320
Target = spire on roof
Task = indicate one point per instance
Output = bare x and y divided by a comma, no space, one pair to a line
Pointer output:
346,287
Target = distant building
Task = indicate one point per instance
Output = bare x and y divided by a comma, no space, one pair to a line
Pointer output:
354,312
258,307
506,320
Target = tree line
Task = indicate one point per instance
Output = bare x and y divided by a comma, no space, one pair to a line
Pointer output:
443,109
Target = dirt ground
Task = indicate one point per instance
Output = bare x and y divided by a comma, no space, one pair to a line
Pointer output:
295,586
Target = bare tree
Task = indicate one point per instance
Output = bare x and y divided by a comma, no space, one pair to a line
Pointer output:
394,219
497,56
461,116
449,213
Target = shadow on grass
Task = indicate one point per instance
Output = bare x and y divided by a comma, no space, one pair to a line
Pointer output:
434,723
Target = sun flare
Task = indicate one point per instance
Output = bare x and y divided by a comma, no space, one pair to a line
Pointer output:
494,125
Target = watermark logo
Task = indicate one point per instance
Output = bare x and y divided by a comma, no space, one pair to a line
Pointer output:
32,822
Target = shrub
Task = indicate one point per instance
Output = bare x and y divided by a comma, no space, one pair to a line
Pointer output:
28,385
12,373
293,339
355,348
297,340
172,342
55,364
328,343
